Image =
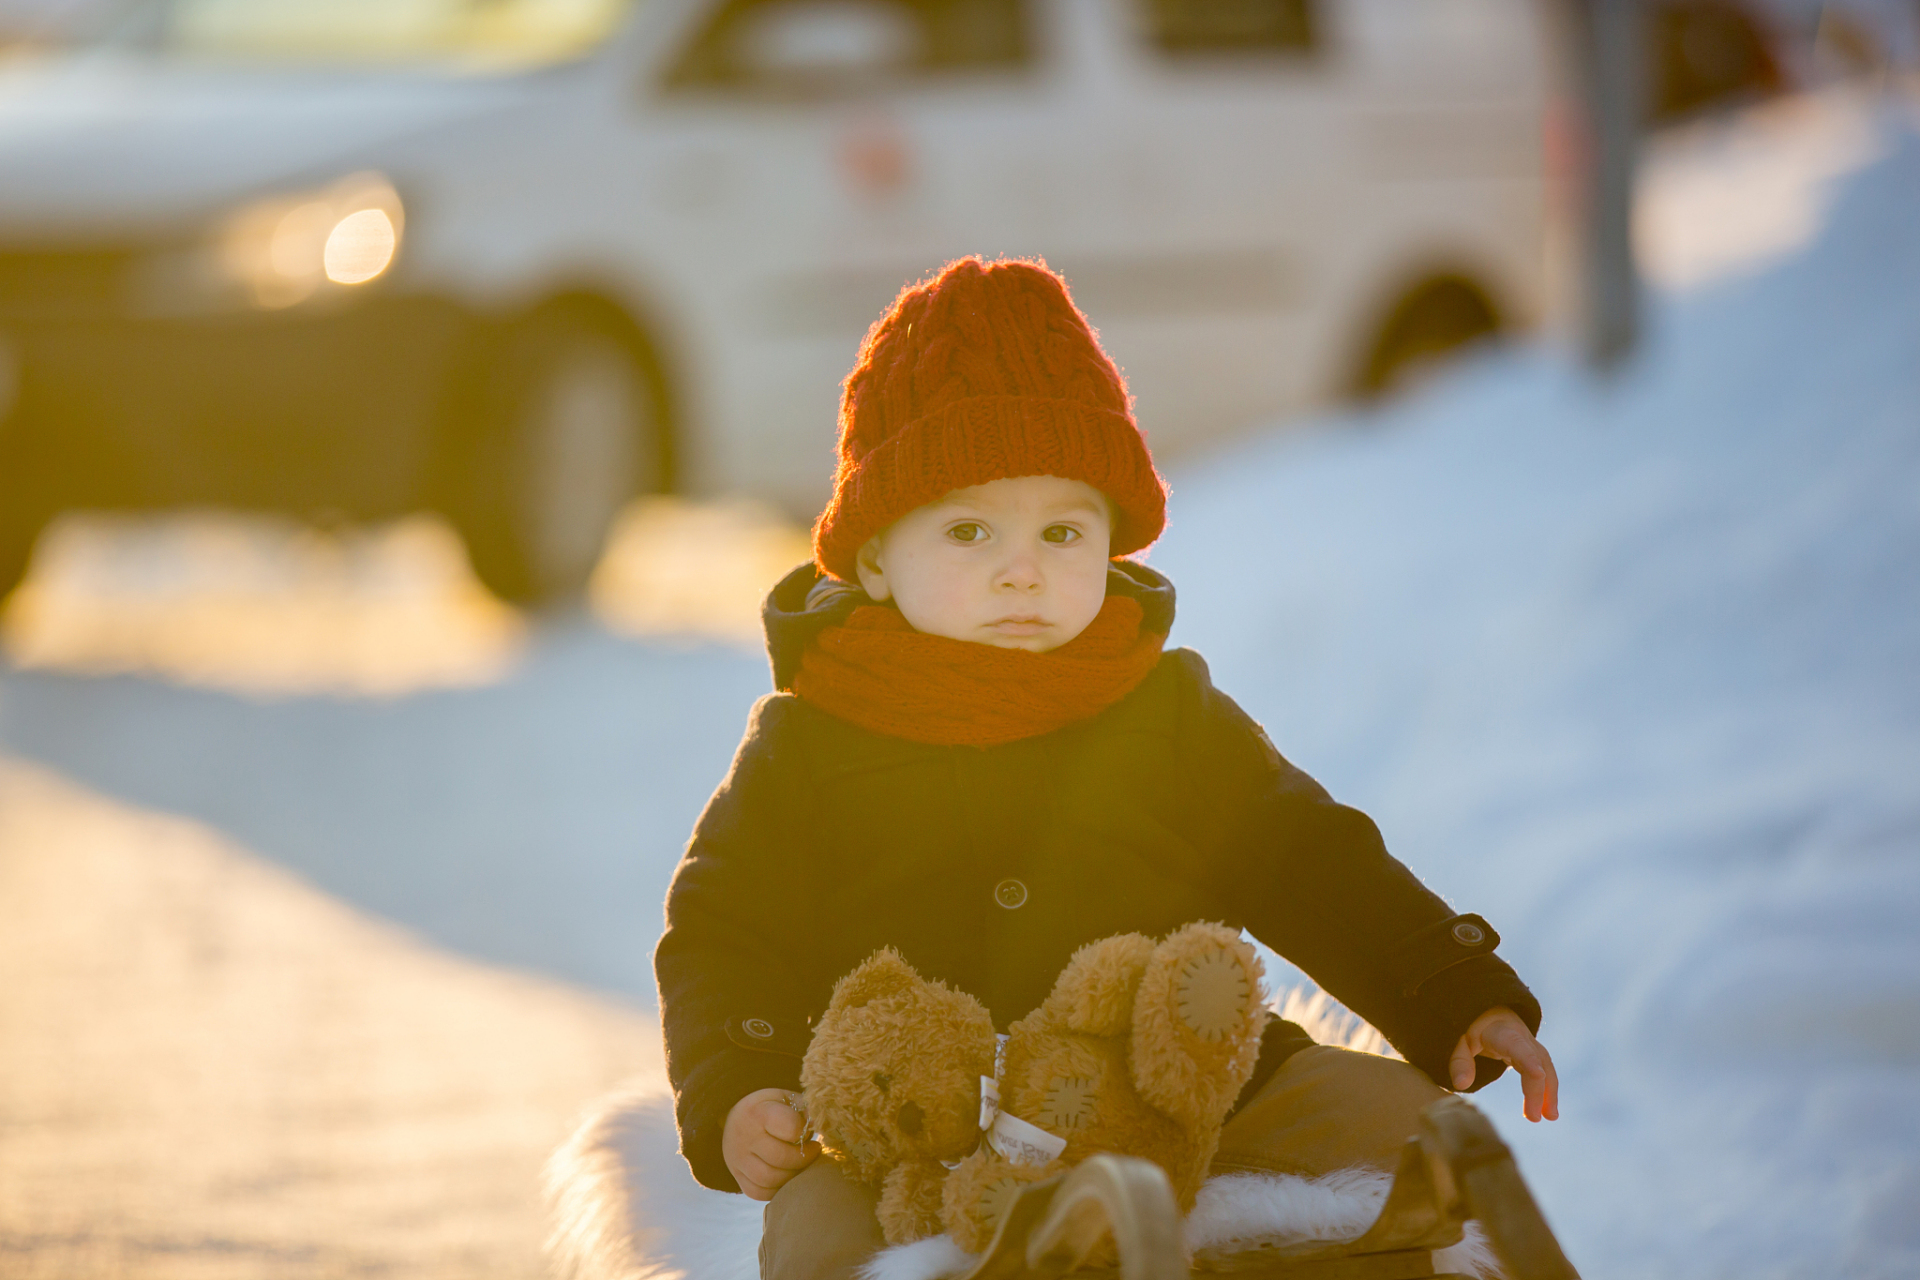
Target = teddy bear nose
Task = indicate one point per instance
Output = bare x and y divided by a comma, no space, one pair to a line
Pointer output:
912,1119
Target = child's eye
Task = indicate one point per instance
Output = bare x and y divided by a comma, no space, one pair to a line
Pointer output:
967,531
1061,533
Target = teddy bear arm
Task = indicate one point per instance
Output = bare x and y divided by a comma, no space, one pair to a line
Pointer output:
1094,994
1197,1024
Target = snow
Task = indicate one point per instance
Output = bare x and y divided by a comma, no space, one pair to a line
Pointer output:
213,1070
1722,194
532,823
1628,667
1634,670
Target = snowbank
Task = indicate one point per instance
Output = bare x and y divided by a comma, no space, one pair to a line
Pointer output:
1635,671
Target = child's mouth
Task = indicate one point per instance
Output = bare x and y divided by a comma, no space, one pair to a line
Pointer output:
1020,626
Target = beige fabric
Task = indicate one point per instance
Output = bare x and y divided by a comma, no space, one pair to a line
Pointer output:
1327,1109
1324,1109
819,1226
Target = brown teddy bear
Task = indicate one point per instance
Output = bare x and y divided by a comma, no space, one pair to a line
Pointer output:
891,1082
1141,1048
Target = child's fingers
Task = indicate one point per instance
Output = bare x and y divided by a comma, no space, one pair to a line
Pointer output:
1538,1080
1550,1092
760,1159
784,1155
764,1178
782,1121
752,1188
1460,1068
1533,1085
757,1180
1499,1033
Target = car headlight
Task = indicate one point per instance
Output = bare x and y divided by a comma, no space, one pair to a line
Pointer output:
277,252
288,249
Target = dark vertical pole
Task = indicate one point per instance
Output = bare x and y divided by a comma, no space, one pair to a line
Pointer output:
1605,42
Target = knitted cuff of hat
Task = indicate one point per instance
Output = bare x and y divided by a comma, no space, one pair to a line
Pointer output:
984,438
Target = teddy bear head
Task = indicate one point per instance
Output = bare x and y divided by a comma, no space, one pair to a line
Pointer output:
893,1070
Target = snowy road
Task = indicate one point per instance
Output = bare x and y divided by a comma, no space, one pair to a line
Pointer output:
212,1070
306,983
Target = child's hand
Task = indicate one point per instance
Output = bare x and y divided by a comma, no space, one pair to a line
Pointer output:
762,1143
1499,1033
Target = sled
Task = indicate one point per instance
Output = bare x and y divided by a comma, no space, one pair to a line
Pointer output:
1456,1168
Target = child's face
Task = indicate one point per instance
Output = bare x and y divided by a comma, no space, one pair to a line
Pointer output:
1018,563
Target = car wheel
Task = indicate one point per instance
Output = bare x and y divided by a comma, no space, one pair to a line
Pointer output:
16,552
1429,323
570,429
22,516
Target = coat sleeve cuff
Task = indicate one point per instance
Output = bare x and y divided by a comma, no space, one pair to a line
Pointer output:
1431,951
1450,1000
709,1093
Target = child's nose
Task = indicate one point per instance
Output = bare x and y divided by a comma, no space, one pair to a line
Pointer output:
1021,572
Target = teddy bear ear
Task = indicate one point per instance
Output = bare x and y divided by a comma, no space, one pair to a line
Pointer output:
881,974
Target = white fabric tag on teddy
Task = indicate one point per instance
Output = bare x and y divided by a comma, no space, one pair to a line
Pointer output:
1023,1143
1011,1136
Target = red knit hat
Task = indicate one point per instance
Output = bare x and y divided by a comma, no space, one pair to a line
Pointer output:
985,372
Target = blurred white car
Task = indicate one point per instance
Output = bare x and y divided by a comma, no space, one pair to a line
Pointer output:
518,260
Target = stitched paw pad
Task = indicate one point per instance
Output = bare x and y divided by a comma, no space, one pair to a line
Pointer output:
996,1198
1069,1103
1197,1023
1210,991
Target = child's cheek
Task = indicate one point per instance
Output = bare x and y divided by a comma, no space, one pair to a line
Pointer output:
968,600
952,599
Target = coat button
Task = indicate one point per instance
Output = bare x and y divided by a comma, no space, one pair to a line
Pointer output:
1469,934
758,1028
1010,894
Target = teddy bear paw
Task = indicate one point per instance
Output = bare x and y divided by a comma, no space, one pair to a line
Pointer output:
910,1201
1211,992
1197,1023
981,1190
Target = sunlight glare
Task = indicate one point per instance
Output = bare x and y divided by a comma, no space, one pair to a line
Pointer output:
261,606
694,572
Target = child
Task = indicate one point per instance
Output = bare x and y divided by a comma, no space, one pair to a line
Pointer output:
981,756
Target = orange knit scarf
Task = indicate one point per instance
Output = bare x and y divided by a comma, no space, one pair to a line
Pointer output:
881,674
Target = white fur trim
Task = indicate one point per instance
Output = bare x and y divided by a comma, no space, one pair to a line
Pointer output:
928,1259
1243,1206
624,1207
1473,1256
1339,1206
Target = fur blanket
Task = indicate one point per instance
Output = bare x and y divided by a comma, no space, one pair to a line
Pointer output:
624,1207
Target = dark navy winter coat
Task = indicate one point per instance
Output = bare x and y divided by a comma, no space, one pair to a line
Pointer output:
987,867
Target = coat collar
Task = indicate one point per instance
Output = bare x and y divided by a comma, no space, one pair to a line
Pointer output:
807,602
